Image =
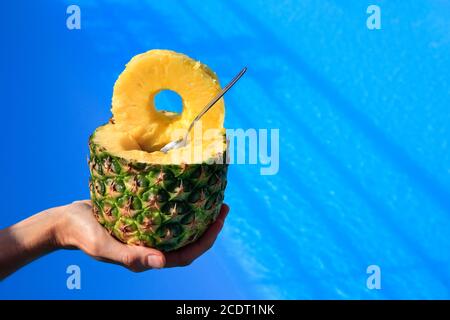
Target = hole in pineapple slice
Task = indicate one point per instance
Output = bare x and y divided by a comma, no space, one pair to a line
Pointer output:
168,102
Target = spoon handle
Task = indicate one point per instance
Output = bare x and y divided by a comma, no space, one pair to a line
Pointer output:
215,99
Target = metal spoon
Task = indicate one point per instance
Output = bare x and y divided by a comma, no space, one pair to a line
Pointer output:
182,142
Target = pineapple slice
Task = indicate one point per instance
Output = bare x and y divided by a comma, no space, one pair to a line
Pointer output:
145,76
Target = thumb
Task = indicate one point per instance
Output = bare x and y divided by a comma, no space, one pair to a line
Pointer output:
135,258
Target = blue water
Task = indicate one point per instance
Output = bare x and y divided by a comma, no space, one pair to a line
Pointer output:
363,114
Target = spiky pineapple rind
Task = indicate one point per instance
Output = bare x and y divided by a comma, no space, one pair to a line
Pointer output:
155,205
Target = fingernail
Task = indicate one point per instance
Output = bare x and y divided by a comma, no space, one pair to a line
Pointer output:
154,261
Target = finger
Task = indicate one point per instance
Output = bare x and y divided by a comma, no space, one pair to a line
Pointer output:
186,255
223,212
135,258
83,202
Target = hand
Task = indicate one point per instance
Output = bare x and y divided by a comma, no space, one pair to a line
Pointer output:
74,226
78,228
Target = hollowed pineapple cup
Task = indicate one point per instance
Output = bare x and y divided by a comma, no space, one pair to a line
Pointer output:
139,194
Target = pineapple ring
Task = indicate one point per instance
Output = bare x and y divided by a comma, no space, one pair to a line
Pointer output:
144,77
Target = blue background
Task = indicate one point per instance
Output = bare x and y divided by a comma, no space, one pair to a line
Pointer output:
364,136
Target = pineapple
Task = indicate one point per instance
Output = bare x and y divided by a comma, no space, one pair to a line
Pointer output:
141,195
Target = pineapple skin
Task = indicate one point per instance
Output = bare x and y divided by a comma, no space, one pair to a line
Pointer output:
154,205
